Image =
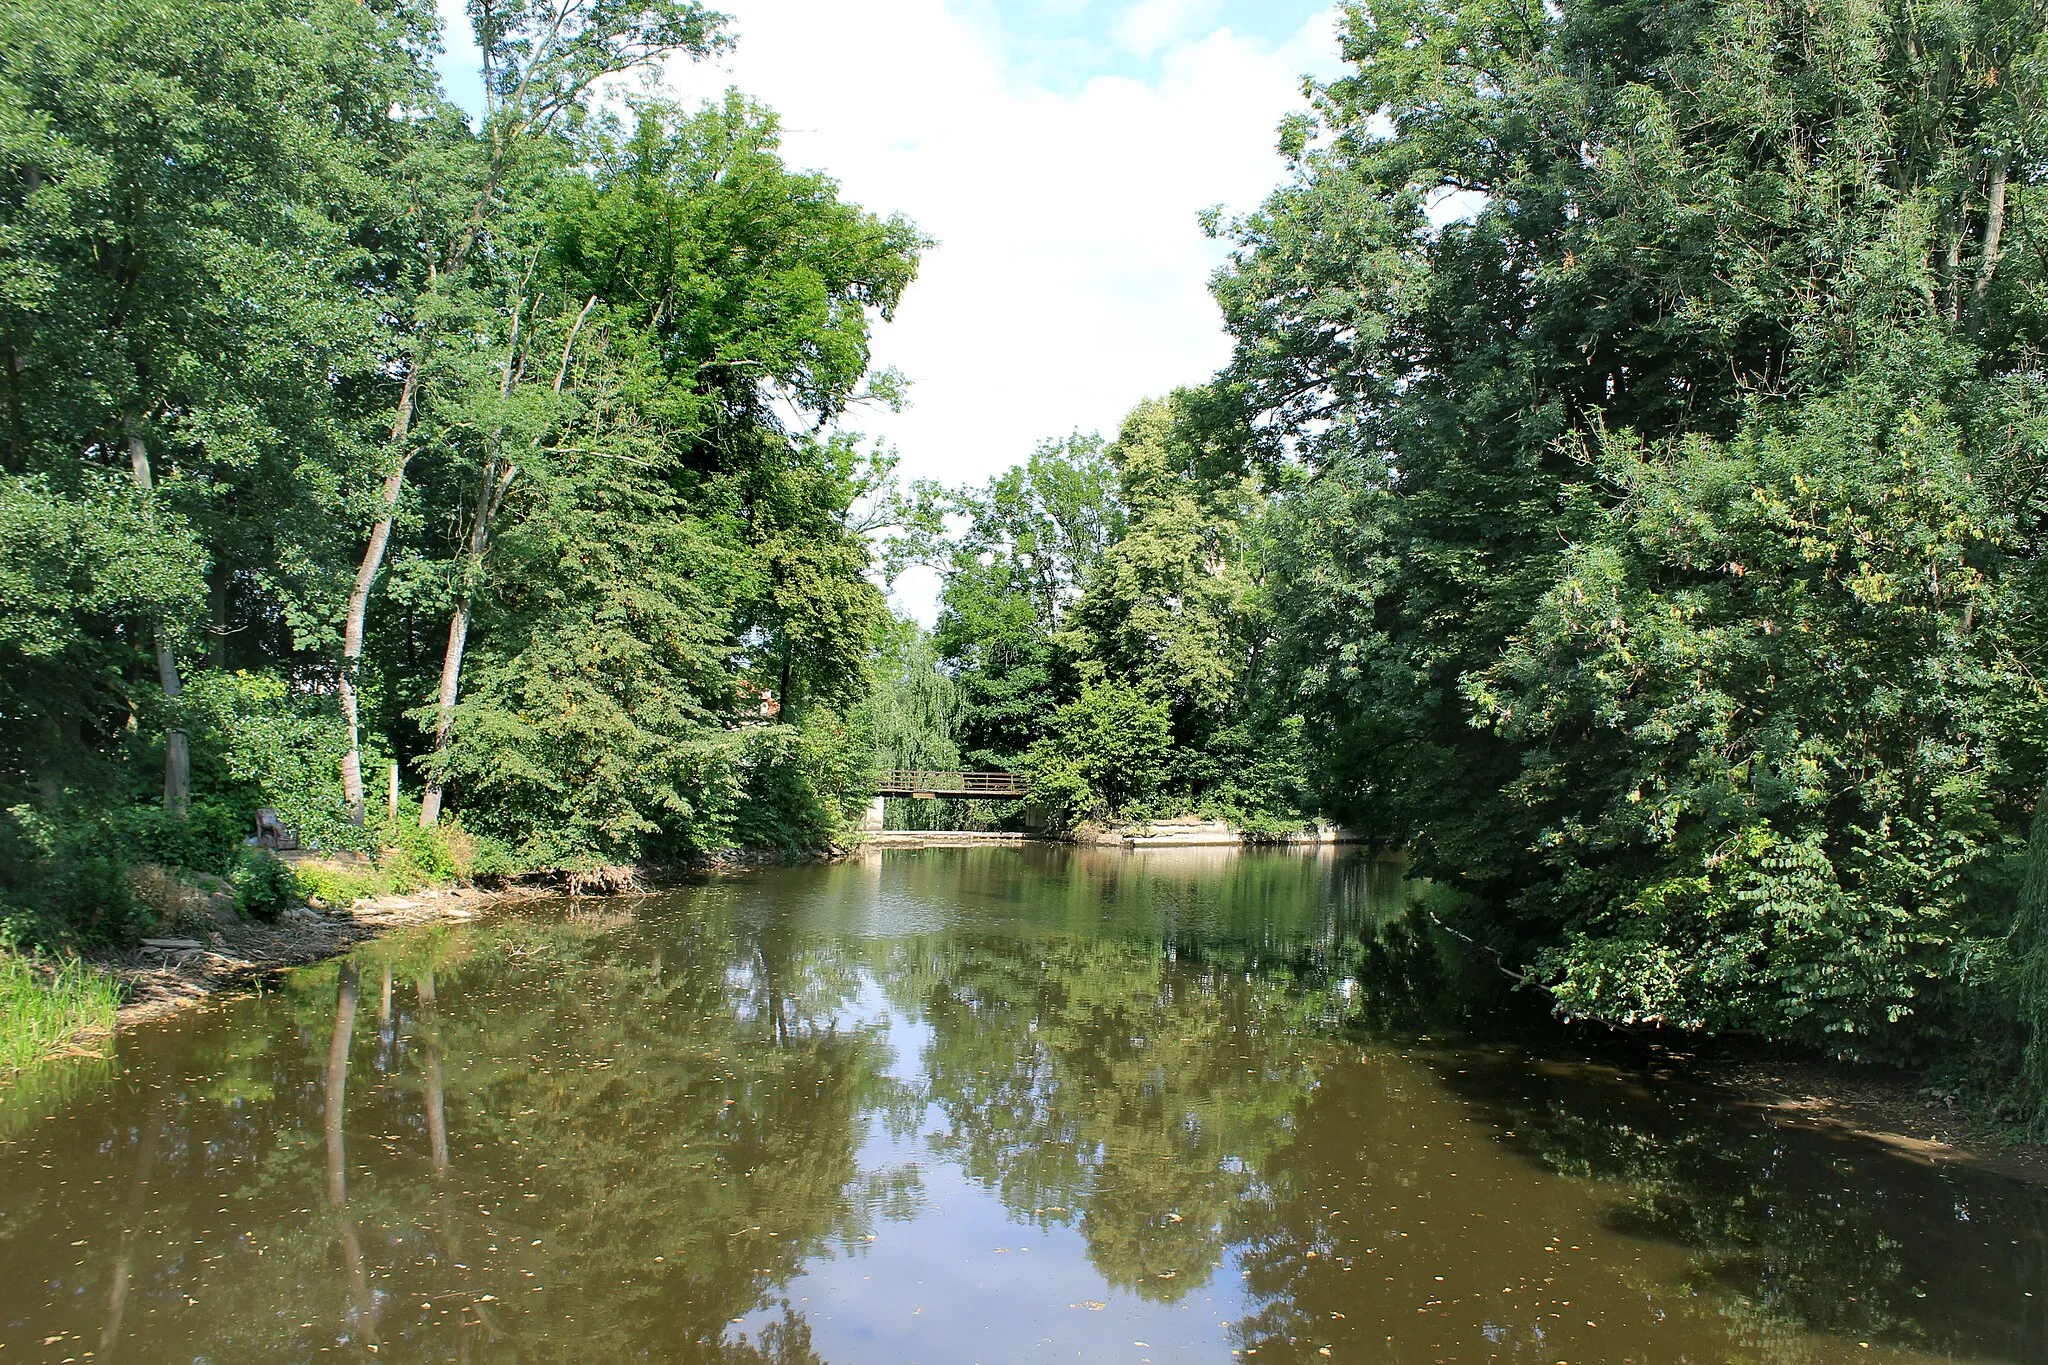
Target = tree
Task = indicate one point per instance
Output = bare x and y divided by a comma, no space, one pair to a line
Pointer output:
170,171
1033,536
1105,754
1657,534
541,62
1168,605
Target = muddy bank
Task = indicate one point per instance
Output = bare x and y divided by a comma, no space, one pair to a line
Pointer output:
216,952
1891,1109
170,973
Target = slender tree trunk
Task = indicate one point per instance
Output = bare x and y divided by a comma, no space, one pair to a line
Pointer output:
394,485
1994,225
489,493
491,489
359,596
177,749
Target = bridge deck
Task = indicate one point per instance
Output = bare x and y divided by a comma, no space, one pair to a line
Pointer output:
925,782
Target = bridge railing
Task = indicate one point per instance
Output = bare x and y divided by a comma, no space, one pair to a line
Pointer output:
930,782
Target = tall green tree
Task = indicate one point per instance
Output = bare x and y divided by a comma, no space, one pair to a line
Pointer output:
178,185
1659,377
541,63
1033,535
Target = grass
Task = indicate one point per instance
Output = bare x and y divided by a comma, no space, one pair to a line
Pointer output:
44,1004
341,886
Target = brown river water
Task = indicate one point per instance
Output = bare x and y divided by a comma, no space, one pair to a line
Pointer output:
962,1105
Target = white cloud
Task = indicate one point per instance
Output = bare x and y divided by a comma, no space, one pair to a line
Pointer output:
1070,275
1151,25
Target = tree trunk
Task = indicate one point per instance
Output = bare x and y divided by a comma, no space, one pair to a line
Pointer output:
1994,225
491,490
177,749
359,598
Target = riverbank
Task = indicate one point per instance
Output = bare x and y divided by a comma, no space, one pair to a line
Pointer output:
162,975
213,951
1891,1109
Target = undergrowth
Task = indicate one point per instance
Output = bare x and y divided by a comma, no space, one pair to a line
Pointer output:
45,1002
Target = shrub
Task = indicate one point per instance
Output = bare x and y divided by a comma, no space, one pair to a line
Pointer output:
337,886
264,886
208,839
160,891
64,881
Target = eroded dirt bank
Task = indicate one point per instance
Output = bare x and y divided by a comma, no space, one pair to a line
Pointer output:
172,973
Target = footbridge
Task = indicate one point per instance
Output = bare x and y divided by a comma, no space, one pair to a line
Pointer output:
928,784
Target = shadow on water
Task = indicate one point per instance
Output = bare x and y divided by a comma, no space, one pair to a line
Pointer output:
962,1104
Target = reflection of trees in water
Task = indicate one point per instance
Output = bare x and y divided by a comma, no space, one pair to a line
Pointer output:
1181,1112
1829,1235
1185,901
547,1107
1094,1082
663,1133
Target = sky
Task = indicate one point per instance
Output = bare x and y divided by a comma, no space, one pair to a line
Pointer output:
1060,152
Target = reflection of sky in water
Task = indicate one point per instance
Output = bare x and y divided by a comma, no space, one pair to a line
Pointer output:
961,1106
964,1279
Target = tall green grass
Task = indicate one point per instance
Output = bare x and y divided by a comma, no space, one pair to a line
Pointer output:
43,1004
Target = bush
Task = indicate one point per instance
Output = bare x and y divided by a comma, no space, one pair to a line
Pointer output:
338,886
64,881
801,783
1107,755
208,839
264,886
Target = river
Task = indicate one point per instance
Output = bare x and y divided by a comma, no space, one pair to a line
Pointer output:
962,1105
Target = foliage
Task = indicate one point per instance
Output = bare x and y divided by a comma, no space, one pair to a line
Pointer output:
1033,536
1105,755
914,711
1653,406
274,746
264,886
311,382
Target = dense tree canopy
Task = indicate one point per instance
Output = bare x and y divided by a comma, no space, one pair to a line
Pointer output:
319,389
1625,494
1625,497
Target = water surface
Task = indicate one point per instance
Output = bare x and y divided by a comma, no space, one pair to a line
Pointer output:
998,1105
